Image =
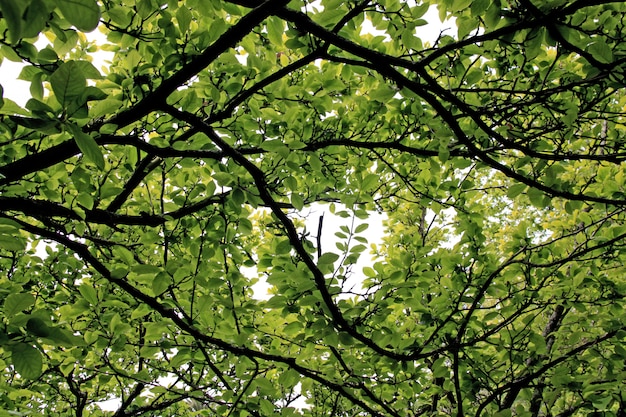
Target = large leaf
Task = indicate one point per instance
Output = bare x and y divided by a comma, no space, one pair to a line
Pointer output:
15,303
12,243
38,327
27,360
84,14
12,11
68,82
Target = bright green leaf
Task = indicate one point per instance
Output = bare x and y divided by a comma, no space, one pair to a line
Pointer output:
68,82
15,303
87,145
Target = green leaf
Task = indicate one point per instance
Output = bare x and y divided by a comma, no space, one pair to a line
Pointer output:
328,258
369,271
440,369
183,16
601,51
296,201
16,303
88,70
370,181
87,145
64,337
383,93
12,11
458,5
89,293
35,124
515,190
273,146
12,243
283,247
83,14
267,407
36,16
37,327
68,82
537,198
479,7
105,107
160,283
27,360
238,196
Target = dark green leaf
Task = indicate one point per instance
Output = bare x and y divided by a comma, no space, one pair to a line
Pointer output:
83,14
27,360
12,11
37,327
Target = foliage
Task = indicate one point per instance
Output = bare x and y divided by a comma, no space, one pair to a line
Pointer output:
140,203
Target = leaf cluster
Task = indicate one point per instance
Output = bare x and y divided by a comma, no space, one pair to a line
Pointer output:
159,242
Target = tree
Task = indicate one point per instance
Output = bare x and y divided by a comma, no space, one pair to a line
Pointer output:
140,203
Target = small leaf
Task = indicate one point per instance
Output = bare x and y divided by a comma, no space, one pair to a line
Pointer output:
297,202
479,6
370,181
537,199
89,293
283,247
369,271
440,370
27,360
84,14
273,145
238,196
267,407
160,283
384,93
87,145
515,190
105,107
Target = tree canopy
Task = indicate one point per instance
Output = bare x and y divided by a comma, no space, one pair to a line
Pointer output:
140,203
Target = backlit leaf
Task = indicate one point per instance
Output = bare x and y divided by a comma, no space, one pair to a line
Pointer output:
87,145
68,82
